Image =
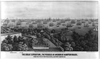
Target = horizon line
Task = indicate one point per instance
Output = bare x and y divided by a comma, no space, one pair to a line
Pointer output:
51,18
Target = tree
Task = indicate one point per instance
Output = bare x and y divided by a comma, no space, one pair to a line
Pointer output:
67,46
18,23
51,24
6,47
20,39
15,39
22,47
9,38
31,26
34,41
73,44
5,41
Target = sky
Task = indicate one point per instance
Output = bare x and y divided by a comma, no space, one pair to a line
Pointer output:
38,10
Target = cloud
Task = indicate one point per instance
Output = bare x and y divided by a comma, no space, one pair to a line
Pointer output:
49,9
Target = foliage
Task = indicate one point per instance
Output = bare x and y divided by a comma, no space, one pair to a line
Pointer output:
6,47
69,40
